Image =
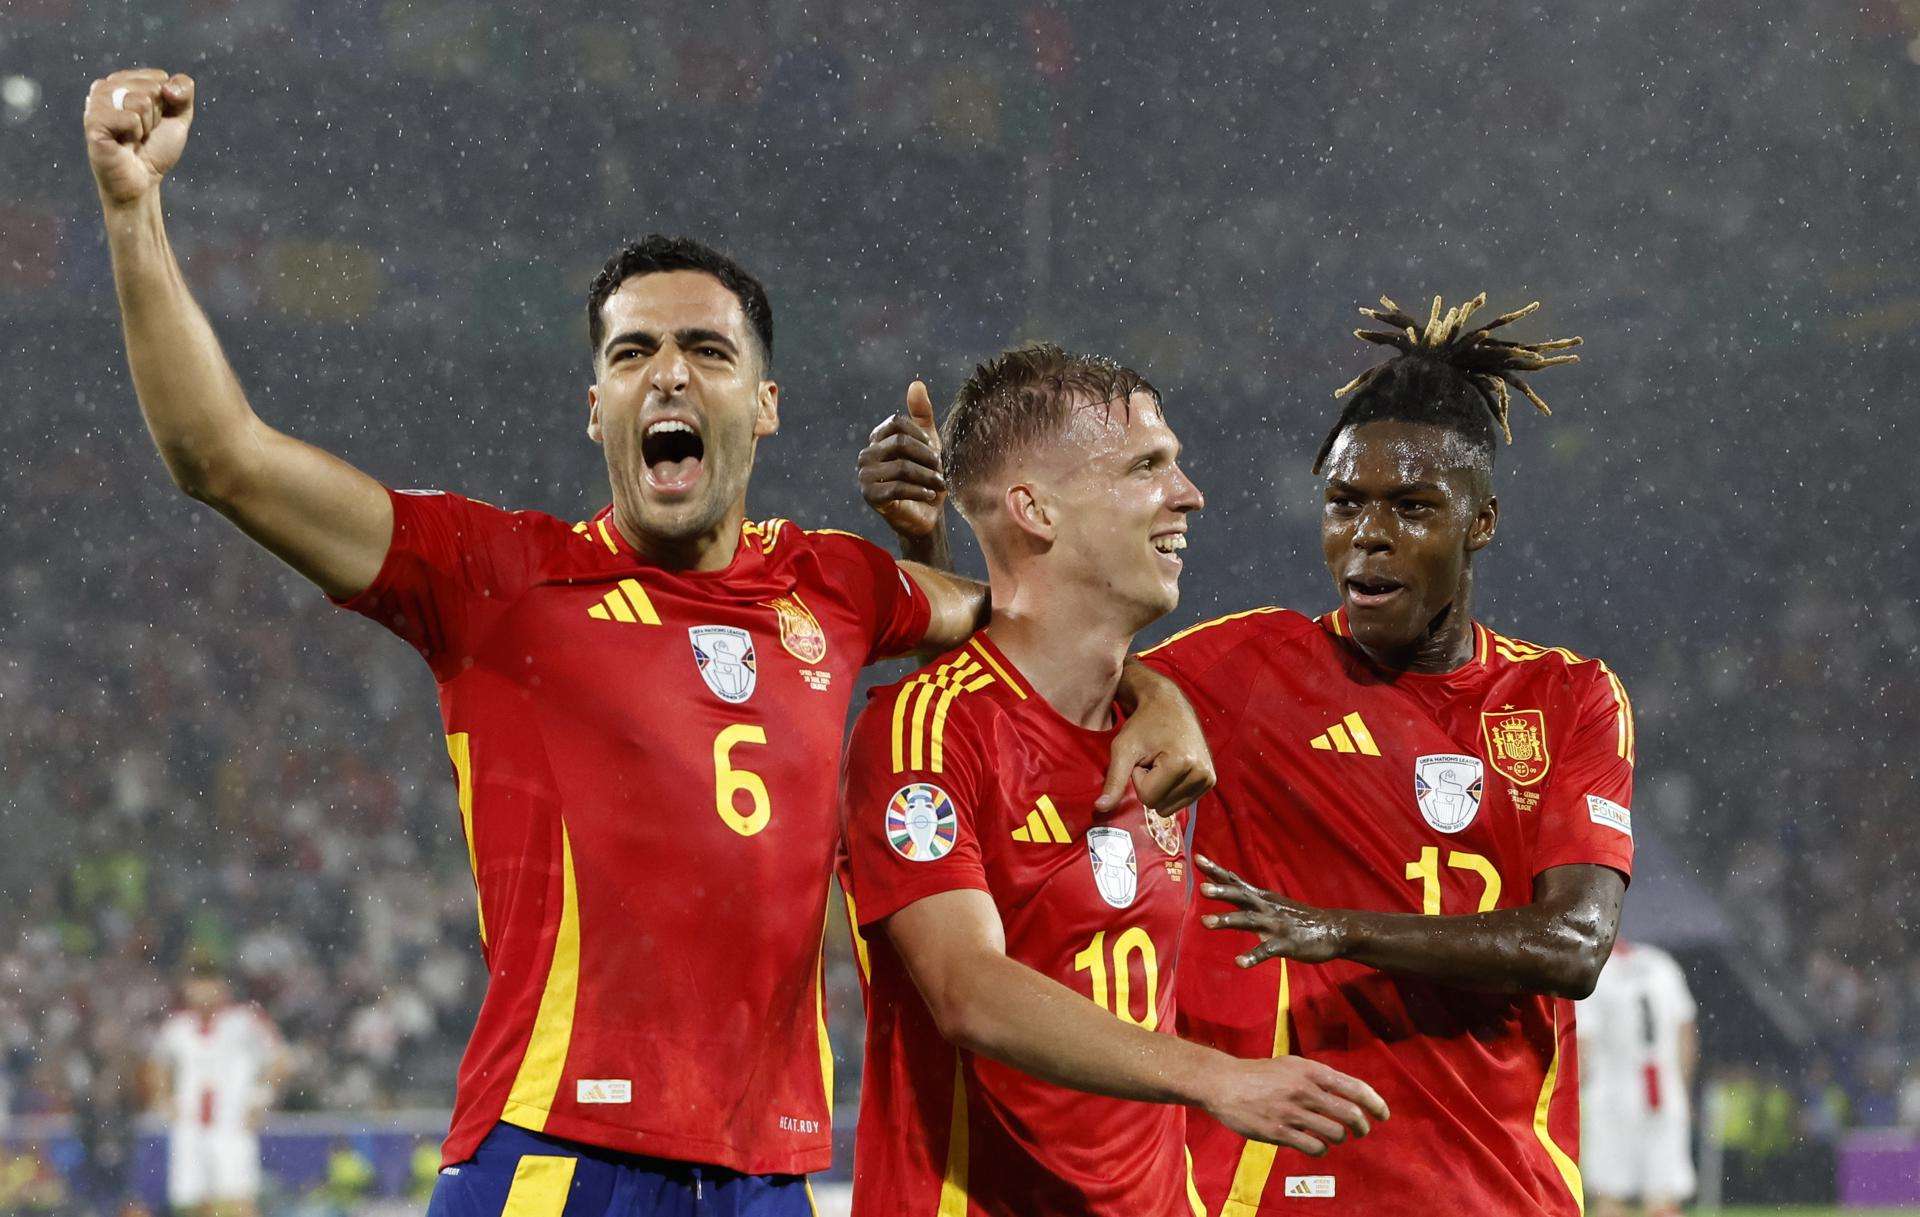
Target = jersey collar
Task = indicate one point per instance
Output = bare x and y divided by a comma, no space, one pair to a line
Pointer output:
1335,623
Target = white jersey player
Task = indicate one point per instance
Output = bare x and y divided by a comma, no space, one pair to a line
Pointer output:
217,1063
1638,1045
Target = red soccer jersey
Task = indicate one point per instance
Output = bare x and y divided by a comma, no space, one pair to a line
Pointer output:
962,777
1345,786
650,824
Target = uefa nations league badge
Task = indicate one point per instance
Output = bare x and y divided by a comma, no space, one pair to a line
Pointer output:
1447,787
724,655
1116,872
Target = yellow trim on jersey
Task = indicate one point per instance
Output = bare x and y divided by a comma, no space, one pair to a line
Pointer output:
538,1080
1515,651
766,533
920,745
540,1186
820,1012
999,671
1256,1160
1207,625
606,538
1562,1162
460,752
1193,1190
859,939
953,1183
581,527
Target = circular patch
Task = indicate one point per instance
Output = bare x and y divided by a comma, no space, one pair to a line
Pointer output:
921,824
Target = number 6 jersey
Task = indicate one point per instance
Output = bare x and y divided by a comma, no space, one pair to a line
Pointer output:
646,787
1343,785
961,777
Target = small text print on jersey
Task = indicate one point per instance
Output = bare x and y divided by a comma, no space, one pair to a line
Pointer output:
1447,786
1116,872
603,1090
1311,1186
1610,813
921,825
724,655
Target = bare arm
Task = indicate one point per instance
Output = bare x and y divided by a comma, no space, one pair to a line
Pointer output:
321,516
1557,944
954,945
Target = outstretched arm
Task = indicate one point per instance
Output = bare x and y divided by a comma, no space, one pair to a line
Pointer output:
323,517
954,945
1557,944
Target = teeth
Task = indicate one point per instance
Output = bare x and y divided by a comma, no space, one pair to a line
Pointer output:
1168,544
672,424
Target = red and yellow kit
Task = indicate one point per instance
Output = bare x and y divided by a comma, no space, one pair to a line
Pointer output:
650,822
961,777
1345,786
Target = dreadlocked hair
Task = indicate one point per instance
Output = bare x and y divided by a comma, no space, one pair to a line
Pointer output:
1445,373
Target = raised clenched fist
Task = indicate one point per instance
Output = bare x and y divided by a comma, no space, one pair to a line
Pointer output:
136,123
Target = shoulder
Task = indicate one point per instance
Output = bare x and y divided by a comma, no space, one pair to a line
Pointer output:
1266,628
961,694
1586,676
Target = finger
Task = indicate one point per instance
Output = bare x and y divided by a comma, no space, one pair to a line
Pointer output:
1243,920
882,493
1220,872
1293,1138
1335,1108
108,125
1239,896
1319,1127
911,471
176,96
1356,1091
1121,763
1185,785
900,446
920,406
1269,949
1151,778
893,424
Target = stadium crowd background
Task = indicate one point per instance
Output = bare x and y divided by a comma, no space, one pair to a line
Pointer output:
392,208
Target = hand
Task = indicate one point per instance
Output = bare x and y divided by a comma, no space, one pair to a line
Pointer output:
900,469
1161,749
1292,1101
131,146
1286,927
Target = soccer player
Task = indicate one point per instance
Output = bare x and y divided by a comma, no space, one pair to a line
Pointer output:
1022,939
642,709
1638,1048
1445,809
215,1067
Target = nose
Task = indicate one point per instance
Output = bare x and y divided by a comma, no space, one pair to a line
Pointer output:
1371,533
1186,496
667,376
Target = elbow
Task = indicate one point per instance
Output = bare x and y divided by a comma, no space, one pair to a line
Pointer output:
963,1021
1575,968
214,481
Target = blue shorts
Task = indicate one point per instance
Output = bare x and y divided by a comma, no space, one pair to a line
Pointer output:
516,1173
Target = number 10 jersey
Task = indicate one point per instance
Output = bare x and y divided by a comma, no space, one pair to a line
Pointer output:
645,762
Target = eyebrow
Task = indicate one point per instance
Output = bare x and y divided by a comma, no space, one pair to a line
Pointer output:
693,336
1392,491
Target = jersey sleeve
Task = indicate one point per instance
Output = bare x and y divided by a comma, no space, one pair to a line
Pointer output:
453,565
1587,814
909,827
1198,659
890,604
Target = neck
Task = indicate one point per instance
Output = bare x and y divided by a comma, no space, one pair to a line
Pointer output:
1446,644
712,549
1070,650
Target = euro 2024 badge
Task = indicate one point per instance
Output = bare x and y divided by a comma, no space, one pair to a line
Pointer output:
1447,786
724,655
921,824
1116,871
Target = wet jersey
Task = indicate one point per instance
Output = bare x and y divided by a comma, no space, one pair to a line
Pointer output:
961,777
639,757
1343,785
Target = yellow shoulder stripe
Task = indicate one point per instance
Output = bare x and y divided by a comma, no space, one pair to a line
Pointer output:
920,711
1515,651
1207,625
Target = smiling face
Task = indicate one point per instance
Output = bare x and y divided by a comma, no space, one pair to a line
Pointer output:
679,407
1406,504
1110,496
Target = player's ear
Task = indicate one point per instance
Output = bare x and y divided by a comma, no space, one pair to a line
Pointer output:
766,418
1480,532
593,414
1028,513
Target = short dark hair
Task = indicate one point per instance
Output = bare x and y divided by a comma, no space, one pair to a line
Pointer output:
1446,375
1022,396
655,253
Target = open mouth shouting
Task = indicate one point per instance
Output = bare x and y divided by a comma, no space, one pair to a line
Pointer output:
674,453
1372,591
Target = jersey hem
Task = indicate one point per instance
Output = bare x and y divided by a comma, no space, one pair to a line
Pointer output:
664,1145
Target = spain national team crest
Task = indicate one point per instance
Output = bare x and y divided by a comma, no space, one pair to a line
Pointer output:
724,655
1116,871
1447,787
1516,744
800,631
921,824
1165,831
